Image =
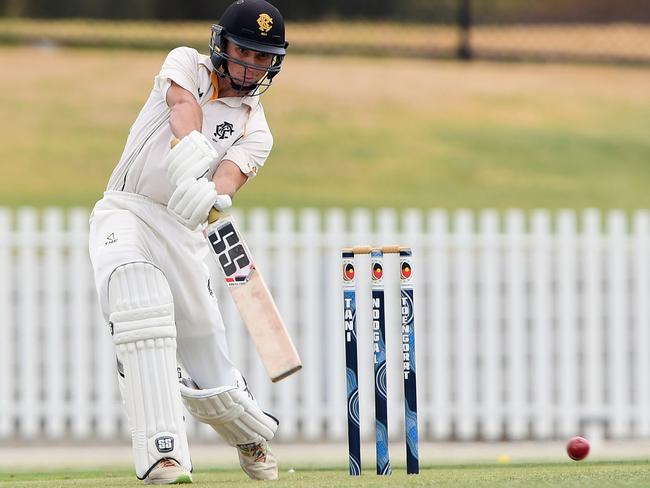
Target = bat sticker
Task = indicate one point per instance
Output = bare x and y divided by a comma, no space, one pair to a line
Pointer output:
232,254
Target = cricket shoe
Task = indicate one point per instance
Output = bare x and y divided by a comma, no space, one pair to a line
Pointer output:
168,472
257,461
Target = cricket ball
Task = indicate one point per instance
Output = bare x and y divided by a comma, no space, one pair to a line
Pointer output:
577,448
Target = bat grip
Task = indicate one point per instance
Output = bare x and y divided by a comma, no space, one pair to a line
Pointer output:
214,215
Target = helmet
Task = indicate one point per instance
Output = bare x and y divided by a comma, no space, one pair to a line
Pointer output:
252,24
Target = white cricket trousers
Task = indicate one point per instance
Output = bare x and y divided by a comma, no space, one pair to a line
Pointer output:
125,228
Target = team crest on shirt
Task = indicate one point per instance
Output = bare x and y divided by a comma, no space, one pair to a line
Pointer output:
265,22
224,131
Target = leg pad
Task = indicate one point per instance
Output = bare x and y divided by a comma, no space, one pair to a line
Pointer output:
144,333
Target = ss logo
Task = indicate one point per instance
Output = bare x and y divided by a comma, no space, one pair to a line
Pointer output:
165,444
229,250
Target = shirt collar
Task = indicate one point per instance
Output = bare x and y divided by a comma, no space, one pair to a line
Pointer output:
234,102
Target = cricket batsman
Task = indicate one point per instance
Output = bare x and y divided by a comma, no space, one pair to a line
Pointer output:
147,245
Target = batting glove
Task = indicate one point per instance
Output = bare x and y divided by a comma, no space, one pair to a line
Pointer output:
190,158
192,200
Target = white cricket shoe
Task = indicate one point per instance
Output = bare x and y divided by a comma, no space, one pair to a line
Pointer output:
168,472
257,461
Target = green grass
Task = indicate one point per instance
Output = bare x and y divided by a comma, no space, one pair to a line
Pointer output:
351,132
558,475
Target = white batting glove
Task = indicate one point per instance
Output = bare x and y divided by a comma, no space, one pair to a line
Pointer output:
222,202
191,201
190,158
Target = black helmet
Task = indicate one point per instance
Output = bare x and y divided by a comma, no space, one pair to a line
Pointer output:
252,24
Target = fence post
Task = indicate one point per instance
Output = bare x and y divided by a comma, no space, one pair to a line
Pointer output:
567,301
464,30
54,299
311,324
591,301
516,326
26,324
464,325
541,317
439,344
618,326
489,322
334,239
6,327
288,393
80,323
641,272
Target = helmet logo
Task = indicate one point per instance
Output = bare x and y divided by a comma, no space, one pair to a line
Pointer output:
265,22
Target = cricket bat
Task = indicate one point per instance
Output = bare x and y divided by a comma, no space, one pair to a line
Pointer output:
252,297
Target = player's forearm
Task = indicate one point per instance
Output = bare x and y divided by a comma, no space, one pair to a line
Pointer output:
228,178
185,117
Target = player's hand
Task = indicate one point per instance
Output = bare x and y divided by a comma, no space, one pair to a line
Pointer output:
192,200
190,158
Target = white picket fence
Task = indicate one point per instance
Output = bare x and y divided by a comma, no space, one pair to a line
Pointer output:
528,325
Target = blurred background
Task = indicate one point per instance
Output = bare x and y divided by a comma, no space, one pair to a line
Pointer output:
506,141
551,112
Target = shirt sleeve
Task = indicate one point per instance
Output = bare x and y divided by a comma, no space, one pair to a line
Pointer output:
253,148
181,67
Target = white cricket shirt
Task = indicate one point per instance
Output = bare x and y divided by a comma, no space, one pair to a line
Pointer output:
236,126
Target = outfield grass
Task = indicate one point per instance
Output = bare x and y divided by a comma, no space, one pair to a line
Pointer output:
557,475
351,132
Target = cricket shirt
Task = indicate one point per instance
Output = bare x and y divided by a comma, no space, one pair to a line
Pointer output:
236,126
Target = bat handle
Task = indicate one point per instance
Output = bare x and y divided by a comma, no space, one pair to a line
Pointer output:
214,215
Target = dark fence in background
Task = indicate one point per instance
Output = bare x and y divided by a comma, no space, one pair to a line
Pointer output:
436,11
553,30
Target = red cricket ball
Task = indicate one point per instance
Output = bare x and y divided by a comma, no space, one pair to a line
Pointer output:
577,448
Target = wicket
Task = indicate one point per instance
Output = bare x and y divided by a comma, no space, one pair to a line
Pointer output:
379,353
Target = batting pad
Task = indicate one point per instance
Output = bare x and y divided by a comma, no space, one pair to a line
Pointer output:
142,321
231,412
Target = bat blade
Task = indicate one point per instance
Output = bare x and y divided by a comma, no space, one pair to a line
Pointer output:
252,298
266,327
